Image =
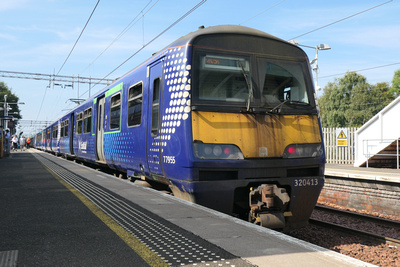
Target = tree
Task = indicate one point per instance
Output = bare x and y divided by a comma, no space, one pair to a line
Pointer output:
11,98
329,103
383,96
337,98
350,101
359,109
395,90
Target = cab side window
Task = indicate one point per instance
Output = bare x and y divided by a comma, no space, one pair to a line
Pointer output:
155,107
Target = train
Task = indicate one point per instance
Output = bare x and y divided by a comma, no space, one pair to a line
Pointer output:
226,116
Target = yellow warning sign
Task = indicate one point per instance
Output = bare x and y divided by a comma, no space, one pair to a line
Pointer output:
342,142
341,137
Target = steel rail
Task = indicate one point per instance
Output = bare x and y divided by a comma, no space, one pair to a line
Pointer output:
365,217
370,236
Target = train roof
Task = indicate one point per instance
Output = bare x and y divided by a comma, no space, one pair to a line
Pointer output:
222,29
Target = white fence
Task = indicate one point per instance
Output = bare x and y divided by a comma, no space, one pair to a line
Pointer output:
339,154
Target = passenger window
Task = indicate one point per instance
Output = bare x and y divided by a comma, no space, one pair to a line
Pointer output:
135,105
79,123
115,111
87,121
62,129
66,124
155,107
55,131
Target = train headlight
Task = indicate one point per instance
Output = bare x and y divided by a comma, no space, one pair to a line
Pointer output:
217,151
303,151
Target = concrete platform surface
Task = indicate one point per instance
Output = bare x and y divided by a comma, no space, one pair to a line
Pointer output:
373,174
31,198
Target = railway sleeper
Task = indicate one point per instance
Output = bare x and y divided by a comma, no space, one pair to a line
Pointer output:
267,205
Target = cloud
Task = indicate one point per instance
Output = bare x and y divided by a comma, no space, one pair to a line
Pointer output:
8,37
383,36
12,4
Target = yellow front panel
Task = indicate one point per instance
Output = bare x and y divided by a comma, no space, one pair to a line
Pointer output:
255,135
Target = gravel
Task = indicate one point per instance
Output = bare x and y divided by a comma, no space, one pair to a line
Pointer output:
351,245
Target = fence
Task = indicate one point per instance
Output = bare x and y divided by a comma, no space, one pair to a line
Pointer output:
339,154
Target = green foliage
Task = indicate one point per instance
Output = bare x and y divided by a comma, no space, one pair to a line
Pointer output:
11,98
350,101
395,90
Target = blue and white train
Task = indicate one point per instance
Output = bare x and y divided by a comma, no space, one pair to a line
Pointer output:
226,116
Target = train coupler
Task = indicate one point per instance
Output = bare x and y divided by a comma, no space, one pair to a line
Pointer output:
267,205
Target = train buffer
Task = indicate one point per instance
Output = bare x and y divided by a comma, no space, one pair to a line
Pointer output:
57,213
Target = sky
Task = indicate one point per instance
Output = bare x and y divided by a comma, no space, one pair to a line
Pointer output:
36,36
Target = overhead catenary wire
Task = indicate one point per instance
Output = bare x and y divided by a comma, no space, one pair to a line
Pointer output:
65,61
133,22
262,12
371,68
152,40
73,47
327,25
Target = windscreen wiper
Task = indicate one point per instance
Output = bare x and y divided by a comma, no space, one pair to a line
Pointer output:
275,109
249,86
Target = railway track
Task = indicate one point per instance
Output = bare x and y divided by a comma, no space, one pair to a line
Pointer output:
364,217
376,228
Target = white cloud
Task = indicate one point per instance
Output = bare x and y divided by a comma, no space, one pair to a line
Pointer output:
12,4
8,37
383,36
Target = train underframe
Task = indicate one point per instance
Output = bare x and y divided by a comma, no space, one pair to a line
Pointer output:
283,203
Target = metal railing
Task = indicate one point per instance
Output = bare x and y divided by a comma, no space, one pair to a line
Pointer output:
379,144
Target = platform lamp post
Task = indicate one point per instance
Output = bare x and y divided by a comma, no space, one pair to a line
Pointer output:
6,107
315,60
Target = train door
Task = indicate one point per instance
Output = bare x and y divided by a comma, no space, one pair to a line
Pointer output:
100,130
71,133
153,143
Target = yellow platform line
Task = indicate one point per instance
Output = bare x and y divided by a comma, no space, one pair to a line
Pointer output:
149,256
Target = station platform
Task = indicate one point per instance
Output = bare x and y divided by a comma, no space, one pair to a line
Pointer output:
371,174
55,212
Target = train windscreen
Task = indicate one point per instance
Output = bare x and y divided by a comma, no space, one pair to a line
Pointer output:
281,81
224,78
230,71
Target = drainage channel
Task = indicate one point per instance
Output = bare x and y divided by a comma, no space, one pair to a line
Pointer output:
177,247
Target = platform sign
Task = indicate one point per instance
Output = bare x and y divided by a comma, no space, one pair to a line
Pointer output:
341,137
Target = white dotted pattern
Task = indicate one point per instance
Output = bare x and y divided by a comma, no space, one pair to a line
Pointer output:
178,84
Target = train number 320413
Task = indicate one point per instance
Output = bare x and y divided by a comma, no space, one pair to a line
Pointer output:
305,182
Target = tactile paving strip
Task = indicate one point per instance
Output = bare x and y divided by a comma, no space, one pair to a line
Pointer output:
8,258
177,247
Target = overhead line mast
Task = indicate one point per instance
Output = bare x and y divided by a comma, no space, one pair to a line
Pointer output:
54,78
